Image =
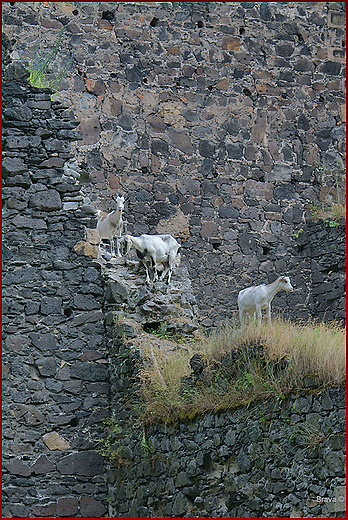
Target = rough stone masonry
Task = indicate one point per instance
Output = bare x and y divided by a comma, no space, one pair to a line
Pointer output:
56,389
223,123
223,154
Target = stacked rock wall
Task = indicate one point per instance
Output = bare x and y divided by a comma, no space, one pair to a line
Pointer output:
281,458
56,389
276,460
223,122
213,118
324,244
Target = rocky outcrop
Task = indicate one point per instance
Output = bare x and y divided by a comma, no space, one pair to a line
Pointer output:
128,296
138,316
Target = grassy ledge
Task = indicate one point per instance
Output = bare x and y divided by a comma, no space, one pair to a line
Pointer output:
241,366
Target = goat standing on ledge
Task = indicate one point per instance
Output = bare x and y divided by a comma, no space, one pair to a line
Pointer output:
110,225
257,297
156,249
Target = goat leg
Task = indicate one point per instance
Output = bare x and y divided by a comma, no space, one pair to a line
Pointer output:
147,273
118,247
269,314
165,271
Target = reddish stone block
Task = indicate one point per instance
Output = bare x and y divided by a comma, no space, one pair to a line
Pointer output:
174,50
42,465
114,182
67,506
17,467
180,140
91,508
158,124
222,84
209,229
91,130
104,24
46,510
230,43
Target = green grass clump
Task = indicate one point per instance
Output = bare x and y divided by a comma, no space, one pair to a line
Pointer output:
44,69
316,349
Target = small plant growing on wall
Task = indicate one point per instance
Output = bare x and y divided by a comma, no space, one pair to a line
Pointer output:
146,445
307,436
333,209
110,445
44,67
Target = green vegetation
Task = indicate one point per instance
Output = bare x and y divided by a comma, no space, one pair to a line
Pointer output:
110,445
332,223
268,361
146,445
162,332
45,71
296,234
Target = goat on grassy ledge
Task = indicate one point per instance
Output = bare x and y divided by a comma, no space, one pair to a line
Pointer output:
257,297
110,225
156,250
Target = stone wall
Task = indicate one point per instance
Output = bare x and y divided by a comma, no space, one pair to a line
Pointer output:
282,458
223,122
324,244
56,389
204,114
63,373
275,460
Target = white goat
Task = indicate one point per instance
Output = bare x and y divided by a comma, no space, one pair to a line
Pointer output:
257,297
110,224
155,249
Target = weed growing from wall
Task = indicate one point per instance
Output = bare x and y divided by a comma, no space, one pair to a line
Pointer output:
146,444
44,67
307,436
333,209
110,445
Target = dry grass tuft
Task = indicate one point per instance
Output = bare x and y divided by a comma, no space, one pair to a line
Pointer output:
316,349
313,348
334,212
